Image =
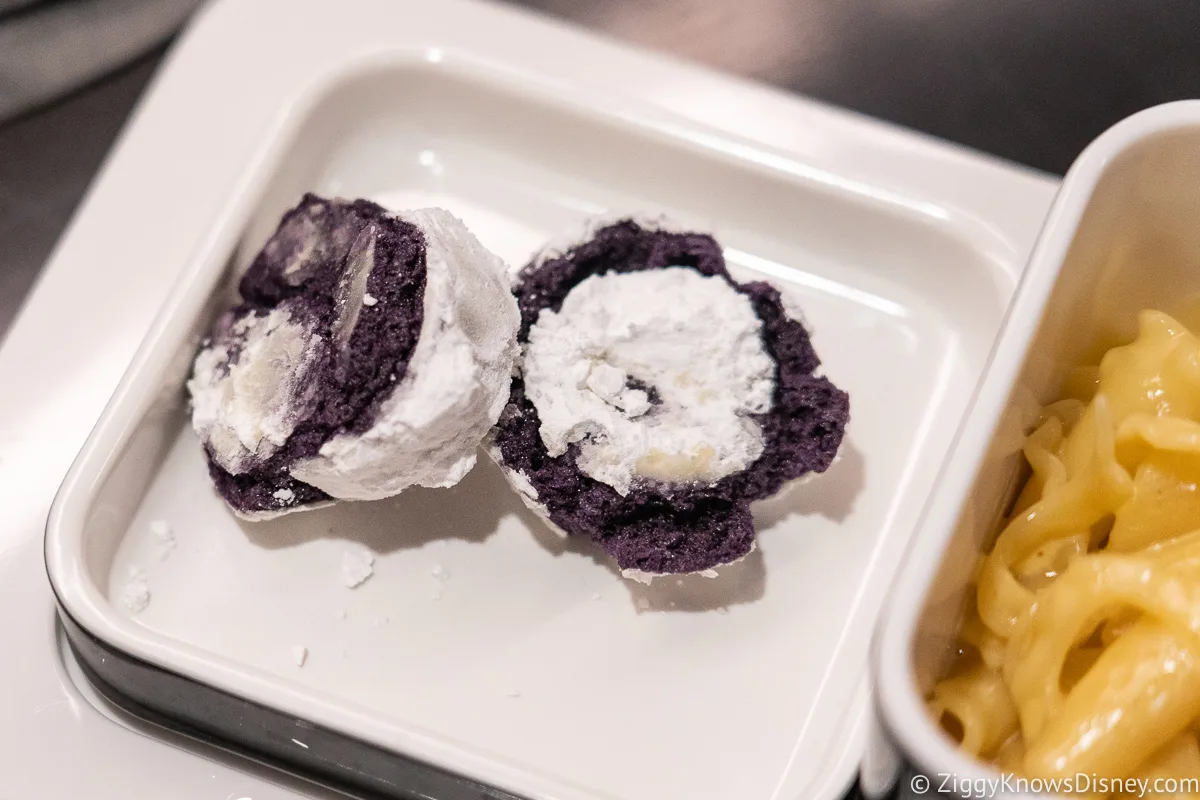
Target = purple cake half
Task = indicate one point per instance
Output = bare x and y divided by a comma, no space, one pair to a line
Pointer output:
370,351
658,398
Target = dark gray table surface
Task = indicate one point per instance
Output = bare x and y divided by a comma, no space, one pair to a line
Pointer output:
1028,80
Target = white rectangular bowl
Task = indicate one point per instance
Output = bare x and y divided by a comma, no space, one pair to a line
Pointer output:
534,668
1121,237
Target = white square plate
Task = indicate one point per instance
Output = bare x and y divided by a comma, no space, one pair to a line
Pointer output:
512,672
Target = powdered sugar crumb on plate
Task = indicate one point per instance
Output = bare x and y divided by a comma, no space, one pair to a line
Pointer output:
136,595
357,566
164,536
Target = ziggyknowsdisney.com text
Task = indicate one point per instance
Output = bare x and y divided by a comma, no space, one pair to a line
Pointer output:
1081,783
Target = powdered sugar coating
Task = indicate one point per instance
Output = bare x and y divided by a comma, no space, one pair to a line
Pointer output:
427,431
662,528
370,352
701,352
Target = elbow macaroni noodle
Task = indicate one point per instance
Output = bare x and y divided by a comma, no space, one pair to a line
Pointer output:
1080,653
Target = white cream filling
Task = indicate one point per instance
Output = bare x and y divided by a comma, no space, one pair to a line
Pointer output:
456,384
246,412
351,294
693,338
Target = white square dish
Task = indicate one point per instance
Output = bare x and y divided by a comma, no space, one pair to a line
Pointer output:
510,673
1121,237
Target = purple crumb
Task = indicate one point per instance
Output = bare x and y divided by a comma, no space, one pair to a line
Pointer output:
349,385
660,527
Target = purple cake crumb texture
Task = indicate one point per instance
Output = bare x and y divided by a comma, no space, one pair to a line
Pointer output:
351,384
664,528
